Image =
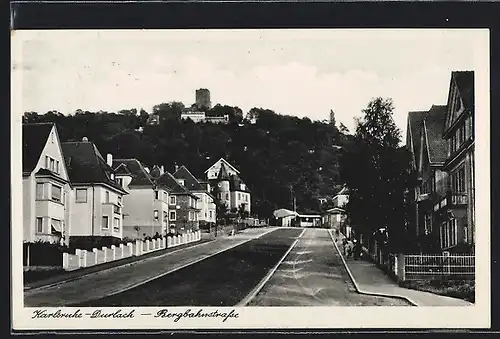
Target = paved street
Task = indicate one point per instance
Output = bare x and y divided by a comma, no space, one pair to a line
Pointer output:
101,284
313,275
223,273
221,280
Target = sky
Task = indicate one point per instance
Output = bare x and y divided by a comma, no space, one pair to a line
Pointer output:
294,72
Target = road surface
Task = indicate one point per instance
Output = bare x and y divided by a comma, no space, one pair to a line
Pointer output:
313,274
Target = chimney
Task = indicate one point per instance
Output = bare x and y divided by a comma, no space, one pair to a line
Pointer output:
162,169
176,167
85,139
109,159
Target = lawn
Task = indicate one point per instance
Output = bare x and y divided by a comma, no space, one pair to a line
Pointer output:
463,289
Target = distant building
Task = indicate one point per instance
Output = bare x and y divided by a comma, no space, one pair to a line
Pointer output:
206,204
195,116
226,183
146,206
218,119
203,98
336,217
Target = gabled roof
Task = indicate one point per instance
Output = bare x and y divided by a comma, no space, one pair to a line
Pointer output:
235,184
223,175
35,137
414,128
190,181
170,182
86,165
224,161
432,128
465,84
140,177
283,212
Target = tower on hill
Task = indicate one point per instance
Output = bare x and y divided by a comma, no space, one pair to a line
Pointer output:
203,98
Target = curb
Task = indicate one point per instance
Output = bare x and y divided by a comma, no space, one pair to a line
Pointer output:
175,269
29,289
356,286
268,276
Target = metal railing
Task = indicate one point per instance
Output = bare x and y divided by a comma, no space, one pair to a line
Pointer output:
432,267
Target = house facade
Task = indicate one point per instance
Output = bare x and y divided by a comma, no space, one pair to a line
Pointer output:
183,207
146,205
455,213
413,131
97,211
206,203
46,188
284,217
336,217
431,177
228,187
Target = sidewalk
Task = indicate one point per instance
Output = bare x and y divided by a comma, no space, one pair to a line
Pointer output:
77,274
369,279
118,279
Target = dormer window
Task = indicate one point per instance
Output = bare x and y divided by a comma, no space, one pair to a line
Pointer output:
181,181
242,187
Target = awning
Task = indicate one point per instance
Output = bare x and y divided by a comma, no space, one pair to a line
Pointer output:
56,226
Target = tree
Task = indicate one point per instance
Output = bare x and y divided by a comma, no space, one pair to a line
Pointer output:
376,171
169,111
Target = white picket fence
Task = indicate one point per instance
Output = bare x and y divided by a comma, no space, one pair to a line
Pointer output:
84,258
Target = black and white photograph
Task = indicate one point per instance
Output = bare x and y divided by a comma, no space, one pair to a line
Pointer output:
250,178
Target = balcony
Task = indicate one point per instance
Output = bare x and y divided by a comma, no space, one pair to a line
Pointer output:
451,200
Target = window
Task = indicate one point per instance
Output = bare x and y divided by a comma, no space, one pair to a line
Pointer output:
39,191
155,214
56,193
81,195
106,197
119,200
172,215
116,224
57,167
56,226
239,196
165,197
119,181
466,235
458,180
157,195
172,200
39,225
47,163
190,216
52,165
52,137
105,222
227,196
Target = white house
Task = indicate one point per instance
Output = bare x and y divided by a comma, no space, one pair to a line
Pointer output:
97,198
224,178
145,210
206,203
46,188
